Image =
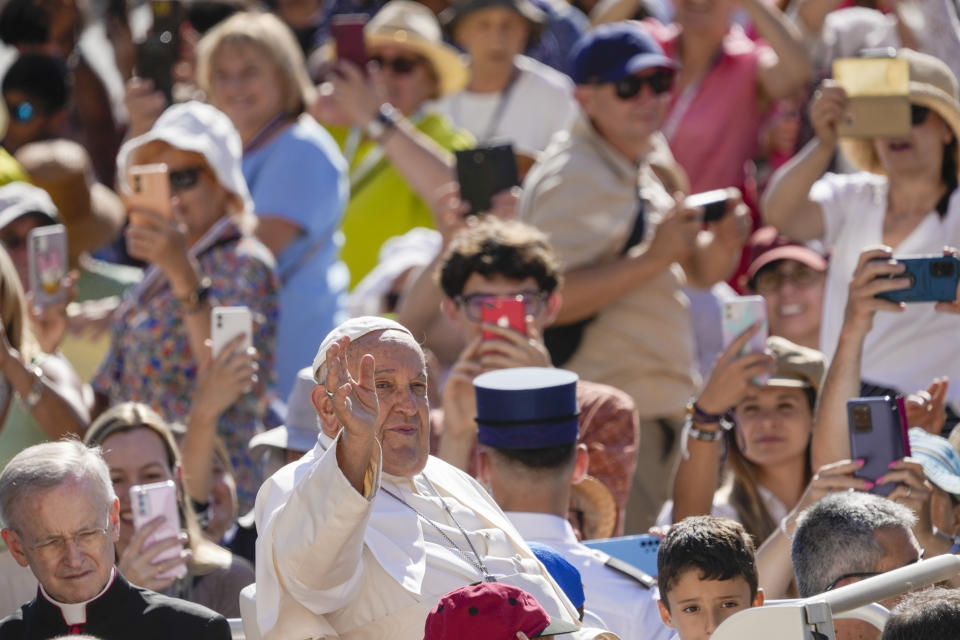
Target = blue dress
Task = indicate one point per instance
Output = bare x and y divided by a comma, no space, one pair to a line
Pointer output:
300,176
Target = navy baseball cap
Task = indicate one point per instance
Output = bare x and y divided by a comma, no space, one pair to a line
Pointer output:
614,51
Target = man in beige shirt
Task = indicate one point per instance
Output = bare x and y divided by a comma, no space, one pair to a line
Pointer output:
628,246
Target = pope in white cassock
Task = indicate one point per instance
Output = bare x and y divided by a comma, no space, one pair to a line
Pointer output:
362,536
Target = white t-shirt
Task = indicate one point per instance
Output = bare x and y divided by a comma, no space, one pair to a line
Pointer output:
906,350
538,104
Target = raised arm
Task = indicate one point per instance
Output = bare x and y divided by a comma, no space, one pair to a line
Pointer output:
697,476
785,73
718,248
786,203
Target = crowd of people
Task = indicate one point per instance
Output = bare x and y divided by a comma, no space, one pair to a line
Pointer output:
438,403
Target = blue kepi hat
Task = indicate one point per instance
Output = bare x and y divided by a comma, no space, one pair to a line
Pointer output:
526,408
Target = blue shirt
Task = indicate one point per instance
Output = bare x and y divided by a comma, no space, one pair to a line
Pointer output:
300,176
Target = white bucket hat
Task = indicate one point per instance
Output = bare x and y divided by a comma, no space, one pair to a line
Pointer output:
18,199
299,433
201,128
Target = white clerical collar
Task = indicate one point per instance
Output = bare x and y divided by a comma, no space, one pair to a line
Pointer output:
76,613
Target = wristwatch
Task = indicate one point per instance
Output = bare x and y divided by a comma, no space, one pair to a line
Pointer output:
382,123
193,301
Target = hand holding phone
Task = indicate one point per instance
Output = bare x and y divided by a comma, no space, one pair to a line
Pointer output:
932,279
504,312
878,96
347,32
47,260
149,190
483,172
740,314
226,323
148,501
713,203
878,435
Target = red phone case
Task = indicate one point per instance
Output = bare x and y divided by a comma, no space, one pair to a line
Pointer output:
347,32
506,312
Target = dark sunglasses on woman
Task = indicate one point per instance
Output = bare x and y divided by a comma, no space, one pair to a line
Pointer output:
401,65
660,81
185,178
918,114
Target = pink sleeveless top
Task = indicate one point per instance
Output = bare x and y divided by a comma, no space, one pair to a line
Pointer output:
720,128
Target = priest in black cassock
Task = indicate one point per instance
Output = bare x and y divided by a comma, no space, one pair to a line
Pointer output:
60,517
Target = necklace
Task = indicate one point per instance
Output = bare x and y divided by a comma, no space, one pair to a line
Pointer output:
476,560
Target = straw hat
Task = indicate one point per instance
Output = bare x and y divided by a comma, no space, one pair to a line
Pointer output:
410,24
593,500
932,85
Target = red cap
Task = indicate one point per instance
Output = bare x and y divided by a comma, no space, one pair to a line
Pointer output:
486,611
767,246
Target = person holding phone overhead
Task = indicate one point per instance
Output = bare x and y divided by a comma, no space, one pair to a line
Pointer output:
395,144
903,197
202,253
251,68
139,448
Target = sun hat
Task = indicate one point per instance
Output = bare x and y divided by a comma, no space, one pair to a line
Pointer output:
941,463
932,85
767,245
531,12
410,24
300,429
354,328
201,128
796,366
490,611
18,199
563,573
526,408
93,214
614,51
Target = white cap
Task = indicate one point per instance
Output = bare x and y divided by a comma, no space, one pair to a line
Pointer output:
201,128
302,423
354,328
17,199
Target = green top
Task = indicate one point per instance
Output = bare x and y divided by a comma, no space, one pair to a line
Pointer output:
10,169
382,203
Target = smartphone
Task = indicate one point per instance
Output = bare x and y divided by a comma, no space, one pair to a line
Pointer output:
484,172
347,32
159,499
156,55
637,550
878,96
878,435
713,203
226,323
47,264
932,279
149,189
739,314
504,312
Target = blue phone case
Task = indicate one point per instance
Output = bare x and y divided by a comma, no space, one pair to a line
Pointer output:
933,279
638,550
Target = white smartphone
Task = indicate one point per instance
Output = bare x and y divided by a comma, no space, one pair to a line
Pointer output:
159,499
47,264
739,314
226,323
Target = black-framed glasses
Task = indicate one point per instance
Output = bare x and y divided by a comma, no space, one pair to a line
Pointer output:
863,575
918,114
22,111
401,65
769,280
474,304
660,81
186,178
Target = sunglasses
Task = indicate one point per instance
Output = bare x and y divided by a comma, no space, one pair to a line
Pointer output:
22,111
660,81
918,114
400,65
769,280
186,178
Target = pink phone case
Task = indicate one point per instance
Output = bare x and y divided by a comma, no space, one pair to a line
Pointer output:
149,501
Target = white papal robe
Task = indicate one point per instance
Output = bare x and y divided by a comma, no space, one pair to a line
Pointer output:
333,563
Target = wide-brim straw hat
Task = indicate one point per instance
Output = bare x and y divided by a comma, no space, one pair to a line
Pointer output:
410,24
932,85
592,498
